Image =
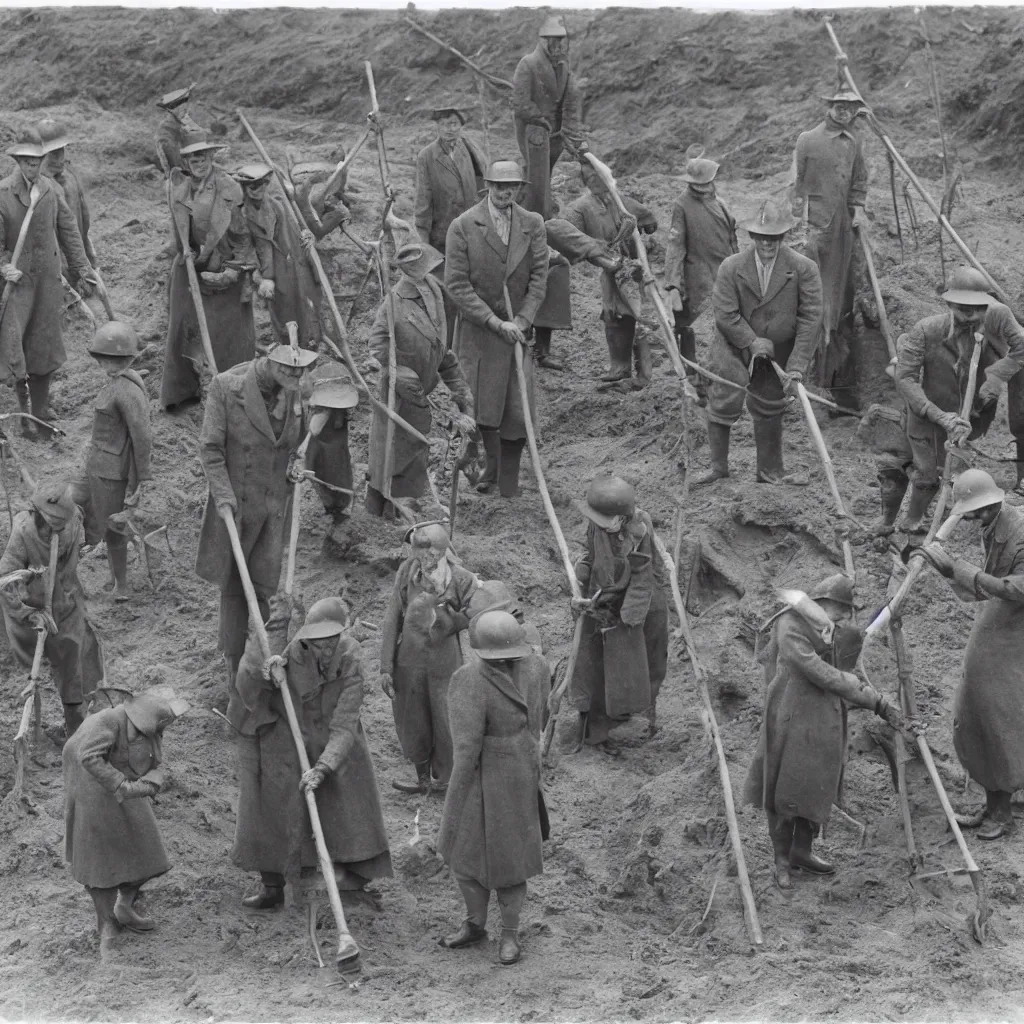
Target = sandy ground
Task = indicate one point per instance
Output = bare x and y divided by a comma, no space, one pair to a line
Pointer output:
638,913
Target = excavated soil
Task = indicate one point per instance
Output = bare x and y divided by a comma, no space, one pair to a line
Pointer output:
638,914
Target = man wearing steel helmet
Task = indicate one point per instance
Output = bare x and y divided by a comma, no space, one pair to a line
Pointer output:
767,305
273,836
828,198
251,428
624,649
56,166
931,377
31,338
497,257
988,711
494,820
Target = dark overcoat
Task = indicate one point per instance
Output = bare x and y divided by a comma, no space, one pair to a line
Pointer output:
246,463
273,831
78,204
491,823
109,842
31,341
122,435
542,91
478,267
988,711
702,235
446,186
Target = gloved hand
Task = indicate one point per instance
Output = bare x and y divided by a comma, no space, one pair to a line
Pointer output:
675,300
295,468
135,790
11,273
312,778
761,347
43,621
510,332
936,555
892,715
86,286
956,429
266,289
463,423
988,393
157,777
580,605
274,661
387,684
132,500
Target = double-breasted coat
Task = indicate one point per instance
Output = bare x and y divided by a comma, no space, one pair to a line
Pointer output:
797,769
74,652
544,91
423,361
273,831
788,314
31,340
479,267
701,237
108,841
208,214
493,822
447,184
831,180
419,649
988,710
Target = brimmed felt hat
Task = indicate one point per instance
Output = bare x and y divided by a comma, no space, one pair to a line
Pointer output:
53,134
198,141
328,617
771,219
843,96
497,636
250,174
553,27
152,711
968,287
608,497
837,587
28,143
286,355
438,112
53,500
505,172
114,338
170,100
418,259
700,171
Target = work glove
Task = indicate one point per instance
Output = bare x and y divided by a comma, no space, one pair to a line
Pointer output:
266,289
387,684
43,621
157,777
511,333
312,778
891,715
988,393
761,347
939,560
274,661
11,273
957,429
134,790
295,468
85,286
580,605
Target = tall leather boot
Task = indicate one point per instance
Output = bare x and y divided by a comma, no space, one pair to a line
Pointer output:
920,499
892,485
998,819
542,349
780,830
271,894
642,359
28,428
508,467
492,455
800,855
620,350
718,445
39,393
768,442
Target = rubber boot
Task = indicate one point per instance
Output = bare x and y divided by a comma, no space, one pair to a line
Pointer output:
271,894
920,499
74,716
768,441
642,360
39,393
892,485
542,349
492,450
718,445
998,820
422,780
780,830
508,467
28,428
620,351
800,855
117,552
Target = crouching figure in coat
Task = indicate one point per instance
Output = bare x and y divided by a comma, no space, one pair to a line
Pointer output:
273,833
797,771
494,819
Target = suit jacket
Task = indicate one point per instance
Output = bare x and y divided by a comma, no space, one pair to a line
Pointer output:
541,92
702,235
446,186
477,269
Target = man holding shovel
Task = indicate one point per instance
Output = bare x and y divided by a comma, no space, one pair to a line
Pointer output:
56,166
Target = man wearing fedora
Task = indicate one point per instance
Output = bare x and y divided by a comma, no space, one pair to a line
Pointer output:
496,273
702,235
423,360
547,106
175,124
828,199
206,205
31,337
449,178
56,166
767,305
251,428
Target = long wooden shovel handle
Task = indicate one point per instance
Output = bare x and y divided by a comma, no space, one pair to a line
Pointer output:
883,317
348,951
342,167
556,695
193,287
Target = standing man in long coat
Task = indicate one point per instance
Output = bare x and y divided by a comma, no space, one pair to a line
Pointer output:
206,206
702,236
419,651
423,360
624,649
56,166
449,178
797,770
251,428
988,712
72,648
31,340
494,819
176,123
547,107
828,198
111,837
767,304
497,255
272,833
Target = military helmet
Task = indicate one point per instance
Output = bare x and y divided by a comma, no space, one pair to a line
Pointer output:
553,28
28,143
968,287
838,587
496,636
334,393
286,355
328,617
114,338
53,134
428,535
974,489
491,595
53,500
505,172
608,497
771,219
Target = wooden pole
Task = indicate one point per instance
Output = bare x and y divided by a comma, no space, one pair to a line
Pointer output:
19,245
883,317
348,951
300,454
374,117
499,83
193,287
753,925
342,167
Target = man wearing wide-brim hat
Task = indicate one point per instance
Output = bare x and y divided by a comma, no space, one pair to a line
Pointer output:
206,205
423,361
56,139
828,199
497,251
702,235
31,336
251,428
767,306
931,378
177,121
